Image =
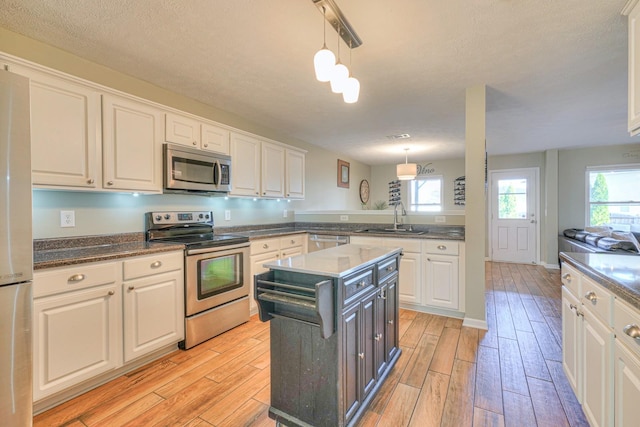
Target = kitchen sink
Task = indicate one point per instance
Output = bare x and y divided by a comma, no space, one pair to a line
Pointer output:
399,231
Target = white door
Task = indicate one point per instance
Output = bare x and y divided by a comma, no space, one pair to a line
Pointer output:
514,215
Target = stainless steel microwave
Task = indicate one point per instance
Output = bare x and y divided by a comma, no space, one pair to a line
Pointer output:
191,170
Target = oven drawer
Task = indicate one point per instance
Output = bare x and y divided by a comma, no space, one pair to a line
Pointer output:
152,264
265,245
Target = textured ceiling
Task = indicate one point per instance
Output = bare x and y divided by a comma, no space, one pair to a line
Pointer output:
556,71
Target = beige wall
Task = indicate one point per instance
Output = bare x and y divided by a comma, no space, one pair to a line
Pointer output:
98,213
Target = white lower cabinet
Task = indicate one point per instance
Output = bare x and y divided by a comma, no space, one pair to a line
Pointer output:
627,385
93,318
571,341
441,280
272,249
410,277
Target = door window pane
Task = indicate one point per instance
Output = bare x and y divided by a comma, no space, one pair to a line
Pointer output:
512,198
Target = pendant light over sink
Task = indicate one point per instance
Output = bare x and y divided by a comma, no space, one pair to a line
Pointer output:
406,171
324,62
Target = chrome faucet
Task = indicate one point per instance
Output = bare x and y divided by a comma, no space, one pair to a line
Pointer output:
395,215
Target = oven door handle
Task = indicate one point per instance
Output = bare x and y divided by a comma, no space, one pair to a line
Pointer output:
214,249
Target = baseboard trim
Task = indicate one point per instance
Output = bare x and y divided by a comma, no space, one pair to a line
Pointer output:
475,323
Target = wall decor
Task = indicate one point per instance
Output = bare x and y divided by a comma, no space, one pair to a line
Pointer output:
364,191
343,174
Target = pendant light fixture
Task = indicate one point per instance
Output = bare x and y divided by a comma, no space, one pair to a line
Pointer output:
352,86
339,75
324,60
406,171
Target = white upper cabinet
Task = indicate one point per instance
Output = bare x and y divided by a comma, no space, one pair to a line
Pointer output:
294,174
245,167
633,11
272,170
132,145
194,133
65,132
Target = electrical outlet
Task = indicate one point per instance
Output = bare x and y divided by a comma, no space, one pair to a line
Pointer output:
441,218
344,217
227,215
285,213
67,218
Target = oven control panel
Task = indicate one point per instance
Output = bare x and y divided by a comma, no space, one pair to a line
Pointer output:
181,217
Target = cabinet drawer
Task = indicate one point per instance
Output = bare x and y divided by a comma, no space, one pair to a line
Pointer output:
265,245
292,241
152,264
387,268
355,284
598,300
441,247
571,279
627,319
407,245
55,281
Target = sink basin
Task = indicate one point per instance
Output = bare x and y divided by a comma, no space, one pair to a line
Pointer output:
400,231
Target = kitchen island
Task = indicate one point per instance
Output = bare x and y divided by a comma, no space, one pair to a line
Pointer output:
334,332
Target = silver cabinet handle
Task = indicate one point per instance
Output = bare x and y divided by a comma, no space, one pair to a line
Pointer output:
442,247
573,306
76,278
206,145
194,143
591,296
566,276
111,293
391,322
90,181
156,264
579,313
293,241
131,288
429,259
361,355
265,246
363,283
390,268
377,337
632,330
110,183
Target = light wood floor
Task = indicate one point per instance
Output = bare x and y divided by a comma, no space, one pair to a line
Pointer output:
448,375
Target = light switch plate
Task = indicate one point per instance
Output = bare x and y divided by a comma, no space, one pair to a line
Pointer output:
344,217
227,215
285,213
67,218
441,218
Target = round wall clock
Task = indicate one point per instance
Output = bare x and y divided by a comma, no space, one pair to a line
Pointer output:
364,191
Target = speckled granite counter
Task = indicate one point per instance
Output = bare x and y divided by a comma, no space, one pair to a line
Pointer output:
333,262
618,273
50,253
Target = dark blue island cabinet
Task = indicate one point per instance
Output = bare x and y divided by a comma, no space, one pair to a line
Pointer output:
334,332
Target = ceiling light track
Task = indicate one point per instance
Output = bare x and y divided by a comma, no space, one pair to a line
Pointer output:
334,16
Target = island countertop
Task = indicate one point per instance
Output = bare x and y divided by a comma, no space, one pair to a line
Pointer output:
618,273
333,262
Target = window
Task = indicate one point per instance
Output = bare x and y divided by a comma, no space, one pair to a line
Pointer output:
426,194
613,197
512,198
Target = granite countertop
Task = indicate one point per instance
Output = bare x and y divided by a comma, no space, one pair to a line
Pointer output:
333,262
50,253
618,273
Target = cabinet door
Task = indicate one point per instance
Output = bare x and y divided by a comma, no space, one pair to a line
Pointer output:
441,280
634,71
182,130
597,378
65,132
77,335
571,341
214,138
380,331
256,268
391,319
132,145
153,313
272,170
245,166
294,179
411,278
368,352
627,386
351,348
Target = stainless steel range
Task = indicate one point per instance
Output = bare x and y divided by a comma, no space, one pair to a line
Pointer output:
216,272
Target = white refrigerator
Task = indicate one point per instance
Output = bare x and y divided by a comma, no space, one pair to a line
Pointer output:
16,253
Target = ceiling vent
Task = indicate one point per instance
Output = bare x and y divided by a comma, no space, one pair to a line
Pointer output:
399,136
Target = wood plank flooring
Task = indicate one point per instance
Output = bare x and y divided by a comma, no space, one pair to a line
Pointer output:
448,375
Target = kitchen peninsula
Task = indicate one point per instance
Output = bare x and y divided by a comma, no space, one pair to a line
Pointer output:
334,331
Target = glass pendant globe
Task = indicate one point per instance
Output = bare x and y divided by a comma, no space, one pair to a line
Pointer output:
339,77
351,90
324,61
